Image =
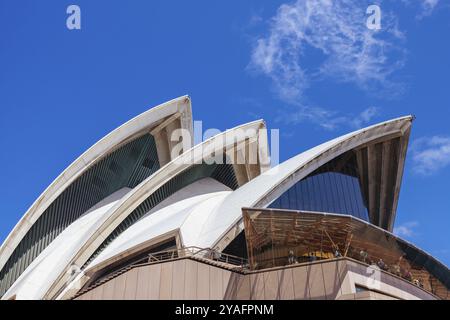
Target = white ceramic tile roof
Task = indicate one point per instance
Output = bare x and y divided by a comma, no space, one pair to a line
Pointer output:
249,194
87,159
203,219
186,211
42,272
202,213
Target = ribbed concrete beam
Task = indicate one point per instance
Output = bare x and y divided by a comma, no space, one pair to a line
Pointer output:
380,169
270,185
386,164
139,194
128,132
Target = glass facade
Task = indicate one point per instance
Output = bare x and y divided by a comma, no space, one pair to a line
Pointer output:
333,188
278,238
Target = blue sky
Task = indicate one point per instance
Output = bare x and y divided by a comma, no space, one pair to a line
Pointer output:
310,68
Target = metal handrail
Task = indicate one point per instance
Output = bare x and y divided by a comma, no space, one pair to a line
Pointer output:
167,255
196,252
206,253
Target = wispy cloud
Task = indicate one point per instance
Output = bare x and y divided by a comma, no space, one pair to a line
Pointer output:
337,29
336,32
430,154
407,229
328,119
364,117
426,7
429,5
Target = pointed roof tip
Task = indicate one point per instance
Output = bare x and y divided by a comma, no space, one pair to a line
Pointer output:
253,122
261,120
183,98
404,119
186,97
409,117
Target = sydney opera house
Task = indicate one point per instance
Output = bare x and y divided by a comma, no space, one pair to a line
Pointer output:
132,219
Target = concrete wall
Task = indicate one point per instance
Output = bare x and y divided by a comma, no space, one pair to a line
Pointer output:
191,279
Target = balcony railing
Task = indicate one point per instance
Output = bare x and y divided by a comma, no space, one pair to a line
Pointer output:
196,252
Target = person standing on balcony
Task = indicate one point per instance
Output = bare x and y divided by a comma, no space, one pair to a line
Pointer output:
363,255
292,259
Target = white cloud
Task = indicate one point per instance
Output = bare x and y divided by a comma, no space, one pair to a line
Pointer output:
430,154
429,4
406,229
427,7
333,35
309,41
328,119
337,31
424,8
364,117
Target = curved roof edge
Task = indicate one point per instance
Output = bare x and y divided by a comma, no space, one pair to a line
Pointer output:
191,203
261,187
268,186
134,198
104,146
